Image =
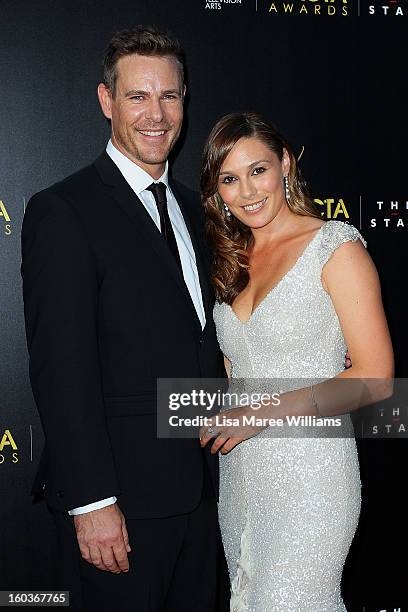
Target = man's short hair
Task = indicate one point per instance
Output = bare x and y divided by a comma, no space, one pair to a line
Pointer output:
143,40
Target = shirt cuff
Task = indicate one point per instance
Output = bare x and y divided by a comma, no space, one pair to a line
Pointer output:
94,506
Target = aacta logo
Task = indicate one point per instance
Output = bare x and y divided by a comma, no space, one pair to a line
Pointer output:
333,208
4,216
7,444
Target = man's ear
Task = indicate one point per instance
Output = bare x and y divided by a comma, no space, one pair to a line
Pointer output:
105,100
184,91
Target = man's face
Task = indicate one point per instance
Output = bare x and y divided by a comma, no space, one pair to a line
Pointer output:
146,112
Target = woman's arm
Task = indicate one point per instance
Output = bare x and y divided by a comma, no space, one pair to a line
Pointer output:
351,280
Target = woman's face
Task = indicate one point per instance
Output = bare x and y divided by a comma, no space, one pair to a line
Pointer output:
251,182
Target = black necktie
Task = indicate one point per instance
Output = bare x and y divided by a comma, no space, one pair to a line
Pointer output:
159,192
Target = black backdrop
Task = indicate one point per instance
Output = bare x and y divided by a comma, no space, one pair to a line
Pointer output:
332,76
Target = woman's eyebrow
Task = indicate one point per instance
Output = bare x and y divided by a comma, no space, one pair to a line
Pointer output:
250,165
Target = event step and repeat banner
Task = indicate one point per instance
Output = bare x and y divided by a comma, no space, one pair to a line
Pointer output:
331,74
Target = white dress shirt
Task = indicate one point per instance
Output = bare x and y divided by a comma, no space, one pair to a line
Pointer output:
139,180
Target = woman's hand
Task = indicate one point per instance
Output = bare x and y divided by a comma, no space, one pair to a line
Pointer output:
232,427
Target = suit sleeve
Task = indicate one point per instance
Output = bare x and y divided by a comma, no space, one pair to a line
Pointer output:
60,291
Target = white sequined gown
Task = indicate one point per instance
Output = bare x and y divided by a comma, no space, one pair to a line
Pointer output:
289,507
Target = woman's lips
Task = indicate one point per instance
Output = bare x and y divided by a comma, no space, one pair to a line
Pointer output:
254,208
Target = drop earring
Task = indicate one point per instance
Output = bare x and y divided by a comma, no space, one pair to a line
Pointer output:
287,192
227,211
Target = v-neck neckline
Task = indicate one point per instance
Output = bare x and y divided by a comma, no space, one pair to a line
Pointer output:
280,281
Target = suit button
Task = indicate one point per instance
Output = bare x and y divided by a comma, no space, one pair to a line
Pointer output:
43,487
60,493
201,340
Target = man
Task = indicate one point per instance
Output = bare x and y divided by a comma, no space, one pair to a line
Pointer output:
116,295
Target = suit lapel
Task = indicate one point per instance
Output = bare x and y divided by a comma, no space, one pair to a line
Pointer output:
124,195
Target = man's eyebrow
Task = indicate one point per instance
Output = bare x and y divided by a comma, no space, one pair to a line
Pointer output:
141,92
268,161
136,92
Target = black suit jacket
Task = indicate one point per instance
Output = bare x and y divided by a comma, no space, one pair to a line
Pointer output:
107,312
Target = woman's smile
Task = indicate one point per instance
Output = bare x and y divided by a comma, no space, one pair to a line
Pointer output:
256,207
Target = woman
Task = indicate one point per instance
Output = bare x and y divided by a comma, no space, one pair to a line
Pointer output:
293,293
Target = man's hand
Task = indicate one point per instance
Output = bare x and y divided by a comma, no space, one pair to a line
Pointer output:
103,538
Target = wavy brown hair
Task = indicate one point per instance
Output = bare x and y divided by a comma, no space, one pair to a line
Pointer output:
230,239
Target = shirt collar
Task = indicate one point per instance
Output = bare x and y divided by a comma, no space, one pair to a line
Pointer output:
137,178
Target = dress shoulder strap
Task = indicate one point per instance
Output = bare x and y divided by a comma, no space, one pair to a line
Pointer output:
334,234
